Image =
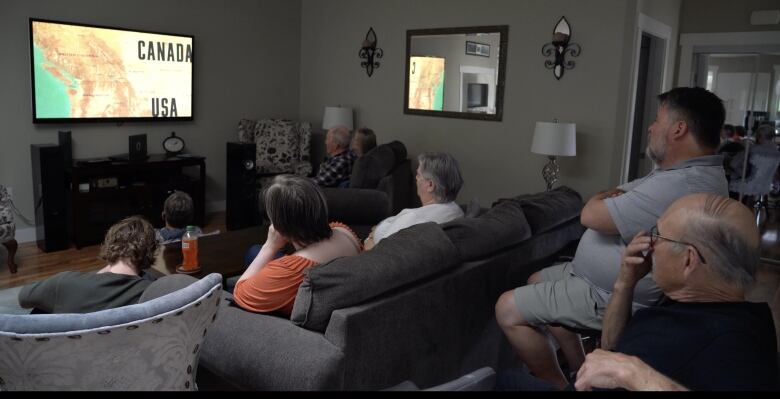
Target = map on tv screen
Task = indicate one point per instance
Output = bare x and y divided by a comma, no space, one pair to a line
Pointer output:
90,72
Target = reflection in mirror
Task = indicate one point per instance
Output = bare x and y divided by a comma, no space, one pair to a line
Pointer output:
456,72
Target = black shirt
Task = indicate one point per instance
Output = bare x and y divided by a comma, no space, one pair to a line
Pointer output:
78,292
706,346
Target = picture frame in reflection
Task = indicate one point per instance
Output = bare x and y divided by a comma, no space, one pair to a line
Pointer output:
480,49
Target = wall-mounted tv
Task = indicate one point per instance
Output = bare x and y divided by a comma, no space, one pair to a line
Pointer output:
87,73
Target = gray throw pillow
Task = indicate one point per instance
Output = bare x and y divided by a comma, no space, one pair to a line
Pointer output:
502,226
408,256
546,210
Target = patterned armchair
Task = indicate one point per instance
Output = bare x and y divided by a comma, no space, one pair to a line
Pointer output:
282,145
153,345
7,227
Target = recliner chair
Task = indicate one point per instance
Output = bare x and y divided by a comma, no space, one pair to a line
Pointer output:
380,186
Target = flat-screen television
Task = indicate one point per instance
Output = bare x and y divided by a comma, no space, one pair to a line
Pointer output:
84,73
477,95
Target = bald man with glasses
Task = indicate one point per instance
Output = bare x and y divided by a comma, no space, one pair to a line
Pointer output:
703,254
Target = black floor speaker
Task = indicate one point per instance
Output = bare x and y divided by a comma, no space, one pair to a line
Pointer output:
50,192
241,198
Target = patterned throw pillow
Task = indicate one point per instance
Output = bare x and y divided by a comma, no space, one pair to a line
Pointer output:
282,145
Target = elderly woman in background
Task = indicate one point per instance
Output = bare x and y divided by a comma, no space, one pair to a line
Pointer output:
299,216
438,183
363,141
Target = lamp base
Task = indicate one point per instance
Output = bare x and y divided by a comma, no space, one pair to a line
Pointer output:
550,172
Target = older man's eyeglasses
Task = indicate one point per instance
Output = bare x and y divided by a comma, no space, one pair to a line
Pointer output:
654,236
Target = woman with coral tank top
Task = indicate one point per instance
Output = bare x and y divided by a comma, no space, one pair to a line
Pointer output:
299,216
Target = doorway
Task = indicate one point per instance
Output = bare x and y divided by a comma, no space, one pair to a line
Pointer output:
649,83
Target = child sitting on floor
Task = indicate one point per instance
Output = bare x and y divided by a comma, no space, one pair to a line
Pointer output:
177,214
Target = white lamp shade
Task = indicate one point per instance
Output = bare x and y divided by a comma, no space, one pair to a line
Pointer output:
337,116
558,139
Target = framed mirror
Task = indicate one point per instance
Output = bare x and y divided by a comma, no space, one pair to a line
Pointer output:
456,72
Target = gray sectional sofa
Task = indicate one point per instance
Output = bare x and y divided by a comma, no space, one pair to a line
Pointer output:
418,307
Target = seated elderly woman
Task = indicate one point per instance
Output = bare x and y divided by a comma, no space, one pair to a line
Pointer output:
438,183
299,216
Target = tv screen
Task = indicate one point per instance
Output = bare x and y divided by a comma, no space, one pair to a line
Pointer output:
92,73
477,95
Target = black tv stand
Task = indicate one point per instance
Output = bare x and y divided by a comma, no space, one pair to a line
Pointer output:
102,193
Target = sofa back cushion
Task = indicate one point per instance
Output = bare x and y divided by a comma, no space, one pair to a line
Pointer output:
410,255
376,164
547,210
500,227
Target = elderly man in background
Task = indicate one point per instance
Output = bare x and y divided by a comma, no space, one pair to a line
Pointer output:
438,182
338,167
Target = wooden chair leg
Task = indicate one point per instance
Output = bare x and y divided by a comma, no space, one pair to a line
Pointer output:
12,246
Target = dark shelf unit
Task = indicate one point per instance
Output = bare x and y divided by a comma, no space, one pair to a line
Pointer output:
136,188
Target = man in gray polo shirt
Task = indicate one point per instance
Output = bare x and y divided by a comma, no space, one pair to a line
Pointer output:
682,143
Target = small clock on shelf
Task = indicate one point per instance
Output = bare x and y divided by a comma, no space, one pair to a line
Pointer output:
173,145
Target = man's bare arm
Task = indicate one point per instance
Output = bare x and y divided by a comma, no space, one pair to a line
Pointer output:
635,264
595,214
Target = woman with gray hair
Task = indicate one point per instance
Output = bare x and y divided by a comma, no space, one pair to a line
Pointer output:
438,183
299,216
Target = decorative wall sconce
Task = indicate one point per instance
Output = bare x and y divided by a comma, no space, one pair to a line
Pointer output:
369,51
559,47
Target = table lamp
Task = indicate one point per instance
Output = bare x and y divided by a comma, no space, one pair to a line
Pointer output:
554,139
337,116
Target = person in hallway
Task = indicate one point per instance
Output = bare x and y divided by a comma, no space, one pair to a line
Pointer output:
177,214
765,143
704,253
729,147
337,168
363,141
299,216
129,248
438,182
682,143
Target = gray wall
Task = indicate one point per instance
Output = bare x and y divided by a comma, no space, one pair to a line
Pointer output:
247,63
706,16
495,156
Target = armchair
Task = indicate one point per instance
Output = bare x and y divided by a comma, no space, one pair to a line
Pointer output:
153,345
8,228
380,186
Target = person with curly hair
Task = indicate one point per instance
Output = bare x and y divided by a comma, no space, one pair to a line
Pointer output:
129,248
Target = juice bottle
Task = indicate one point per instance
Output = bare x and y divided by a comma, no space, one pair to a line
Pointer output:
189,249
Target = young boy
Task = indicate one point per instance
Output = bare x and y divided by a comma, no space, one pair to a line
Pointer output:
177,214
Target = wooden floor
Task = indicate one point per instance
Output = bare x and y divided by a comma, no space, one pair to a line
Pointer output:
35,265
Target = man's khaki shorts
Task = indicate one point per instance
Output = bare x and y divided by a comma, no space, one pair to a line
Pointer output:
561,298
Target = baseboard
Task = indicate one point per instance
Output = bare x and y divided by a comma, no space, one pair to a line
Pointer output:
25,235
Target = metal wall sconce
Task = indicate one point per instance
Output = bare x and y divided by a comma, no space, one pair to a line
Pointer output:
369,51
559,47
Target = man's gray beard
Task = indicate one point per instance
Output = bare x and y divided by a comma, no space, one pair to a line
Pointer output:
653,156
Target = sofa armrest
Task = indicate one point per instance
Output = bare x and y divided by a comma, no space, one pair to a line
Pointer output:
357,206
399,187
264,352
